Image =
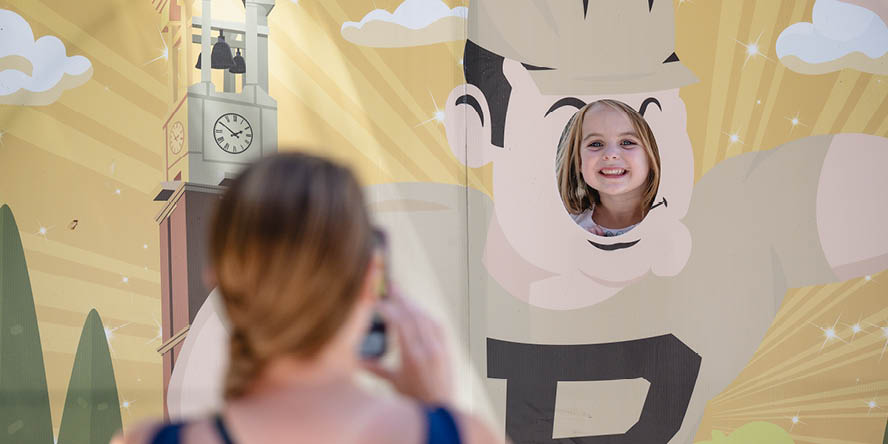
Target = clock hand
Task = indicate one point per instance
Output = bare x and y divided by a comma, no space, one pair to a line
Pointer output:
229,129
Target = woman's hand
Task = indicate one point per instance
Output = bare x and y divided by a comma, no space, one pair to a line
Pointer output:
424,371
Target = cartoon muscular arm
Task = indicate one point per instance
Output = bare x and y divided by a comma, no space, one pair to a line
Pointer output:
852,206
819,203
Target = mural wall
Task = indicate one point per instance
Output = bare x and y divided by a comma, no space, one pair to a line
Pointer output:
747,306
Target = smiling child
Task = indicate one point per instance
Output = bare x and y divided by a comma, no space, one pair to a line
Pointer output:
608,168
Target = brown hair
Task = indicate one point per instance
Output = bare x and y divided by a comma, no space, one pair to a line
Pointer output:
577,195
291,242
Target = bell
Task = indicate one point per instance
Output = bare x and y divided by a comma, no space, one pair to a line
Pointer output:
239,66
221,55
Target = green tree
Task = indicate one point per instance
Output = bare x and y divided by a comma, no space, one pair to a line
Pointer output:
885,439
92,408
24,401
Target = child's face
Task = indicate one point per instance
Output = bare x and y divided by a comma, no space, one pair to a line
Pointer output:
614,161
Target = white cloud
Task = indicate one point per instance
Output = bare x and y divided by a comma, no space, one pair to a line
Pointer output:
842,35
35,72
414,23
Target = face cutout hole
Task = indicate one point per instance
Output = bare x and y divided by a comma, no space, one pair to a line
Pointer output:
607,168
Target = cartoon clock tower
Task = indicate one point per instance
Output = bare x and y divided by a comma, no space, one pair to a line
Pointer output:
209,137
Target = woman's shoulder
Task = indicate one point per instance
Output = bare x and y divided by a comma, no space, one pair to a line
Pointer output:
473,430
403,420
393,420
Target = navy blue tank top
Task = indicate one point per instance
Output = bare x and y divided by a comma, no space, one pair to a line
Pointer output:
441,429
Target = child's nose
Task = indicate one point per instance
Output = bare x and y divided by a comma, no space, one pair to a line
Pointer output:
611,151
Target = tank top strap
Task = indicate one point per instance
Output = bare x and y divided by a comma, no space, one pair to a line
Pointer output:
172,433
168,434
222,429
442,426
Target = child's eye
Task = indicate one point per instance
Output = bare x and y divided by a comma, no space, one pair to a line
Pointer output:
627,142
595,145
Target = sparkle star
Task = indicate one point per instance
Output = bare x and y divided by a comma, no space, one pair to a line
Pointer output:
42,230
145,246
125,405
438,114
125,280
117,191
794,122
884,330
872,405
855,328
795,419
159,335
752,49
734,137
109,334
164,52
758,102
829,333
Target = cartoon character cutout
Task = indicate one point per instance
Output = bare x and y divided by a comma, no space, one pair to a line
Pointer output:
565,324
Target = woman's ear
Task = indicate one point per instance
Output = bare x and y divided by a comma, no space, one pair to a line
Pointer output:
467,121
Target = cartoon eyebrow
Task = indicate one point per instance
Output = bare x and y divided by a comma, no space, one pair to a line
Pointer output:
566,101
586,7
473,102
530,67
647,102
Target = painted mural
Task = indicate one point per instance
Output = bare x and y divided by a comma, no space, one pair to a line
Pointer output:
748,306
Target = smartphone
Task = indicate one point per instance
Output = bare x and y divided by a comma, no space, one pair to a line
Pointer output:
375,342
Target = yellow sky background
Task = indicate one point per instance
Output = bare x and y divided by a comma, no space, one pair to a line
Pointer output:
97,155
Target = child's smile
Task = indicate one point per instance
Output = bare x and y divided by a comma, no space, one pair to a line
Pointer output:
614,162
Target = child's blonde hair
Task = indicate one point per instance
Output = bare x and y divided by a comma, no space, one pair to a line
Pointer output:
577,195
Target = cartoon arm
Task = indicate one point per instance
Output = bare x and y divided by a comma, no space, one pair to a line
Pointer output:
818,206
852,206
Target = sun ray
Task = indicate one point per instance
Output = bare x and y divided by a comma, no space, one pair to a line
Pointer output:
799,9
838,95
94,49
868,106
805,364
729,23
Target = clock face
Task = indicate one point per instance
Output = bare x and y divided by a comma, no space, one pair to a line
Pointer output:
233,133
176,138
